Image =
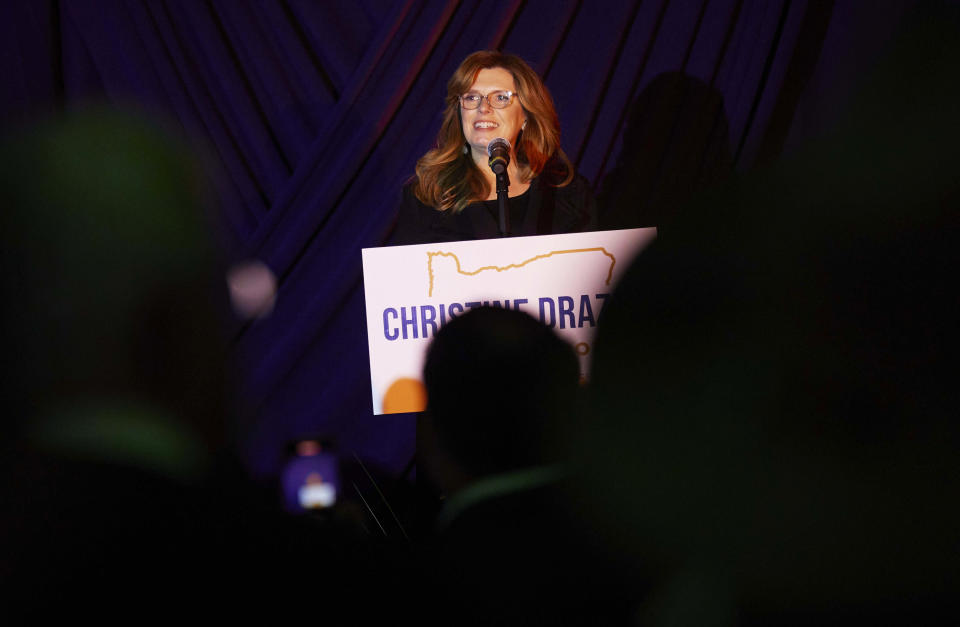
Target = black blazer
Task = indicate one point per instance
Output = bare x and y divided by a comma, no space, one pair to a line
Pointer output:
541,210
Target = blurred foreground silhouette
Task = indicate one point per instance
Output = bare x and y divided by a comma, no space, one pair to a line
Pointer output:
510,546
775,425
120,490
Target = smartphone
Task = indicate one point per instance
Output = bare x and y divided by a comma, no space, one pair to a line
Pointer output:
311,478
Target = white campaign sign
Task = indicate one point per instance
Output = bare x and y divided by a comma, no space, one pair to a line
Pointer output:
412,291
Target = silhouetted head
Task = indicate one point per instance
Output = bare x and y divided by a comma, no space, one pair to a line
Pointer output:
500,386
675,145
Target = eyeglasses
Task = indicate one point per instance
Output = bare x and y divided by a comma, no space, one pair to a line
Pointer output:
496,99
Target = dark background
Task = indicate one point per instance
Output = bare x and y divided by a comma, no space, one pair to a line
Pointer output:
310,116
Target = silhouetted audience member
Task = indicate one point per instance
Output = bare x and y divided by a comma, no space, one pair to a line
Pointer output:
501,390
774,386
499,384
675,145
118,497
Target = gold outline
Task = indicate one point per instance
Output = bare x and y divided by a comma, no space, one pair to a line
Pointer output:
512,266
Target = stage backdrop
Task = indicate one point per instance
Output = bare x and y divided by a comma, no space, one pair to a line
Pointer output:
311,116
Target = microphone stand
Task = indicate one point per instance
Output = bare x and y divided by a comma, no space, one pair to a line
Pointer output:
503,183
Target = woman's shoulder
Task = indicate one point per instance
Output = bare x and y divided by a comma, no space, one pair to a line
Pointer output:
578,185
409,226
408,193
419,223
410,200
573,205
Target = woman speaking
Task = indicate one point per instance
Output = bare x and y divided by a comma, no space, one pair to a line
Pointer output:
453,196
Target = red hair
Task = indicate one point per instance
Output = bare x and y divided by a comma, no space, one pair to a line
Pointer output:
448,178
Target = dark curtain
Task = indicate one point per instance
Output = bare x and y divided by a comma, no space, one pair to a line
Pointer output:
312,114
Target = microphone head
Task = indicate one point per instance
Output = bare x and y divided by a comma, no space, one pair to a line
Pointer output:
499,152
498,143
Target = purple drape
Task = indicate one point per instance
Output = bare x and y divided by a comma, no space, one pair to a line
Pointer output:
313,114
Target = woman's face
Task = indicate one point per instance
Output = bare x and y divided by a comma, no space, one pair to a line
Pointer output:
484,123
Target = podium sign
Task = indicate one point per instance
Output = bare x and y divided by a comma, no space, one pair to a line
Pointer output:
412,291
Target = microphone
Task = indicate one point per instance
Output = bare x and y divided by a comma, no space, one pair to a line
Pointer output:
499,152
